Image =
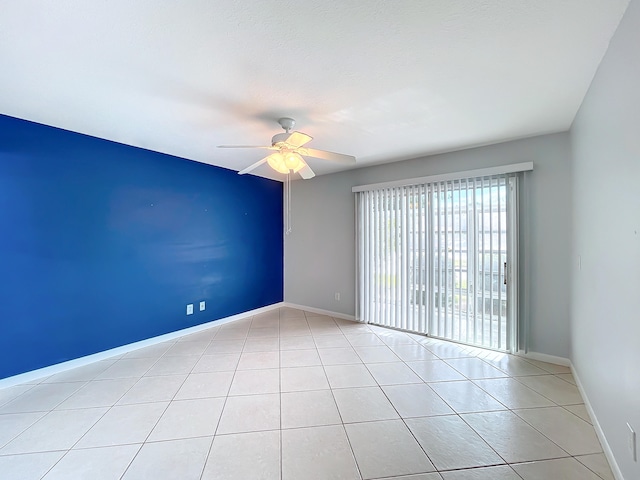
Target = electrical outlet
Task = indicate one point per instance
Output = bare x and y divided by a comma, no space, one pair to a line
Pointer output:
190,309
202,306
632,444
337,296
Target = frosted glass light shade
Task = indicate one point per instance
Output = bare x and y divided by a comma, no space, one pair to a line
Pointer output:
276,161
284,163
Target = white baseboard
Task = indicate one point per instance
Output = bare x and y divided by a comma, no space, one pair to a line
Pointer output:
321,311
543,357
82,361
615,469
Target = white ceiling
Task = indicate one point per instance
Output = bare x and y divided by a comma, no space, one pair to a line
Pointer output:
381,80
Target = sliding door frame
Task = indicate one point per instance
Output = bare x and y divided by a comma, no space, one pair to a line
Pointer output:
398,292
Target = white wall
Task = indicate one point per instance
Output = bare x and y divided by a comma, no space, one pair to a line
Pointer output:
319,253
605,322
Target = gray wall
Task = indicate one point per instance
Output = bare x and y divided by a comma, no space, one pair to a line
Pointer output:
319,252
605,322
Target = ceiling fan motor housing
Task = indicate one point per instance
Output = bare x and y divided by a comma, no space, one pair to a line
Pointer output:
280,137
286,123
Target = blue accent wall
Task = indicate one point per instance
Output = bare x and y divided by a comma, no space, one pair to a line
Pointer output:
103,244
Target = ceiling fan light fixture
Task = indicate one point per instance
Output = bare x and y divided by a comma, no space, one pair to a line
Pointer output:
289,149
277,162
285,162
293,161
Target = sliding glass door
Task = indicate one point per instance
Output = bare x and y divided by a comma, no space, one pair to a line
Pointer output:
438,258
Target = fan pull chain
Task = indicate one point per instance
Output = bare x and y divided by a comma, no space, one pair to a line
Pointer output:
287,202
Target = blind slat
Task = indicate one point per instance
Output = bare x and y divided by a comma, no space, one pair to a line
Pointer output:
430,259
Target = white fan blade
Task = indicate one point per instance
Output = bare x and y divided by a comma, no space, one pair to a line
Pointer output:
298,139
255,165
306,172
247,146
324,155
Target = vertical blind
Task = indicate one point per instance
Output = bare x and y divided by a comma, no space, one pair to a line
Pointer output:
433,258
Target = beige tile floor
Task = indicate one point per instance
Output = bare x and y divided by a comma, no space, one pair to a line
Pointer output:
292,395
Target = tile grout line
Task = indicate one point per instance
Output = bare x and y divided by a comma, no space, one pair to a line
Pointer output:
314,334
224,404
92,425
142,444
280,402
342,424
460,416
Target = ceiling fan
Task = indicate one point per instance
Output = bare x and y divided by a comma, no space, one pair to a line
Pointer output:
289,150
